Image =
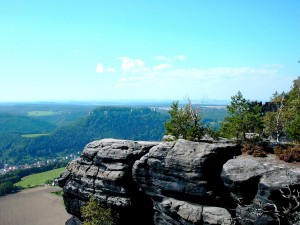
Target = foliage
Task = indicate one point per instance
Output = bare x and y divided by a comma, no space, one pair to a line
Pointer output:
185,122
293,109
7,180
40,178
288,153
103,122
244,117
23,124
284,118
73,126
275,119
95,214
7,188
254,149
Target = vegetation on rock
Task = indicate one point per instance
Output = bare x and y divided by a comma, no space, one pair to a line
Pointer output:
248,122
185,122
95,214
244,117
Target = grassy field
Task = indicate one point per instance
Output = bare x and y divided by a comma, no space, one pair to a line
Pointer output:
34,135
42,113
39,178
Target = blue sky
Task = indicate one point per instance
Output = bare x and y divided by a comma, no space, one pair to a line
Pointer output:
124,50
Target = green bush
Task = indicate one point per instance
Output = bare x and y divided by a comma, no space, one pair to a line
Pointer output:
95,214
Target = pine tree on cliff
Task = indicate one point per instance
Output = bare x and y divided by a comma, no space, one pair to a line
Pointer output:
185,122
244,117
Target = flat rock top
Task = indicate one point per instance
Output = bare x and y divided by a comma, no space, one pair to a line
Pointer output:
272,162
272,169
106,146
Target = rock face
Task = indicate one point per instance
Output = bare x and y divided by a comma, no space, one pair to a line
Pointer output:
181,182
186,171
104,171
265,190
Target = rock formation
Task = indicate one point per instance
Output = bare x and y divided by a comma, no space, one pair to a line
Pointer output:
182,182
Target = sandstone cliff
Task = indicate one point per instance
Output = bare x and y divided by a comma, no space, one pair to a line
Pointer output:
182,182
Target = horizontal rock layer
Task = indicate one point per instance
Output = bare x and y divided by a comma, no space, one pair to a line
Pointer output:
181,182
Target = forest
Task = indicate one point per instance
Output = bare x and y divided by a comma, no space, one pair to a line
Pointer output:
29,133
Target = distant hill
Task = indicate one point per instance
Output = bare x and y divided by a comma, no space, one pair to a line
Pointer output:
23,124
103,122
53,113
31,132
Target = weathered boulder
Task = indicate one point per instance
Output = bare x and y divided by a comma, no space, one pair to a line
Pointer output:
241,177
184,171
172,211
104,171
267,191
182,183
73,221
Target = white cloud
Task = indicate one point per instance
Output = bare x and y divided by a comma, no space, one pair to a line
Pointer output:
162,67
278,66
99,68
131,65
111,70
168,80
219,83
179,57
163,58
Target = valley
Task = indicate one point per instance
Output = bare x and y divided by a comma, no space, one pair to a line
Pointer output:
30,133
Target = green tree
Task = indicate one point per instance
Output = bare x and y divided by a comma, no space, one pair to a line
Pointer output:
275,120
184,122
94,214
284,119
244,117
292,112
7,188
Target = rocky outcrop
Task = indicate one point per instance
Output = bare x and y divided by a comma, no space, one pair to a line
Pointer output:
266,191
186,171
182,182
104,171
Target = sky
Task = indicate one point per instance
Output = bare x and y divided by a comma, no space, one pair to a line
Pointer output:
76,50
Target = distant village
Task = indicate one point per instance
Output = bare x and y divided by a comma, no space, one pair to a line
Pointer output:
4,168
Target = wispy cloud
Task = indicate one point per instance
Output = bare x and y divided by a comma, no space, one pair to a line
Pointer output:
163,58
213,82
171,78
99,68
278,66
179,57
162,67
130,65
111,70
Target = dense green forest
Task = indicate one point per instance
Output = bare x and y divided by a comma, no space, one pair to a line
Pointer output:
10,123
36,132
53,113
